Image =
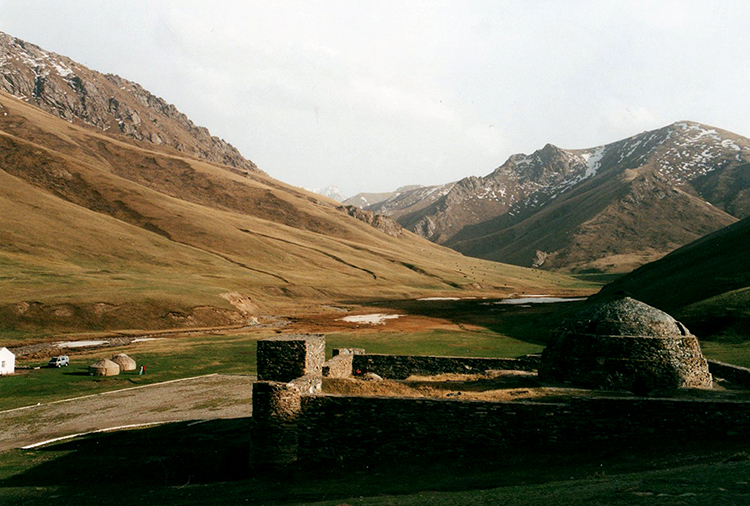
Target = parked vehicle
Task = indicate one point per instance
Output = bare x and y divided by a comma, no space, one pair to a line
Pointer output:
61,361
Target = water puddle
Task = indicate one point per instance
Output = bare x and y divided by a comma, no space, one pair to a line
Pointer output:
533,299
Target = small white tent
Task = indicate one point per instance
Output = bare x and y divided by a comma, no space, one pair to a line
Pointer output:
7,362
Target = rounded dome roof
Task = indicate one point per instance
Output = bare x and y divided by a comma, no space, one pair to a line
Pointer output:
122,357
104,362
625,317
625,344
125,362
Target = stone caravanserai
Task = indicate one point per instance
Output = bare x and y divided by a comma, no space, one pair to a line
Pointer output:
633,356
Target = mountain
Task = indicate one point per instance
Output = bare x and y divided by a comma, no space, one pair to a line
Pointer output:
368,199
705,283
607,209
99,231
110,103
332,192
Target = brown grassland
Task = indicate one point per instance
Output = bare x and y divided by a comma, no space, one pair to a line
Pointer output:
100,232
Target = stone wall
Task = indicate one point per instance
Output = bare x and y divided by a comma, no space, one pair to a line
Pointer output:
292,419
276,408
288,366
286,357
342,427
308,384
403,366
341,364
640,364
732,373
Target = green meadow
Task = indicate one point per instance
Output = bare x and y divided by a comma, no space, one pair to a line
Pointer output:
507,332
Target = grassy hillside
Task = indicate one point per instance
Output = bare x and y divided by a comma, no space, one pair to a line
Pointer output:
705,283
100,232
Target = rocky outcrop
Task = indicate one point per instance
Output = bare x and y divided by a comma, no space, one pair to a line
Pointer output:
383,223
539,258
67,89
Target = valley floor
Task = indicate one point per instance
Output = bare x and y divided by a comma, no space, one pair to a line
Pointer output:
201,384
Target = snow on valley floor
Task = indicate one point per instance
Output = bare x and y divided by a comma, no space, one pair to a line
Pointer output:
526,299
534,299
370,319
446,298
79,344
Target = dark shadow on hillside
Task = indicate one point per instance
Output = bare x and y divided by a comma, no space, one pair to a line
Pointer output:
533,324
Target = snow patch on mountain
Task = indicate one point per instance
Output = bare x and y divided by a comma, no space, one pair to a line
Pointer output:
424,194
330,191
696,151
593,161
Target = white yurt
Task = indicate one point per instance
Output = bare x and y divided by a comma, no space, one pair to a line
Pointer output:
7,362
104,367
125,362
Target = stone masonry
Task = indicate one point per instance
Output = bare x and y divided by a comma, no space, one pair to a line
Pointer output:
288,365
625,344
403,366
287,357
293,419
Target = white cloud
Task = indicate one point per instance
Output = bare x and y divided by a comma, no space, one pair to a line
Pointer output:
372,95
626,121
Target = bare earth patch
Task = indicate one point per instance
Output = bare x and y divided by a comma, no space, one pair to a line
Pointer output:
201,398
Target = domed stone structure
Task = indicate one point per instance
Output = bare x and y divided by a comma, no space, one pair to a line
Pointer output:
625,345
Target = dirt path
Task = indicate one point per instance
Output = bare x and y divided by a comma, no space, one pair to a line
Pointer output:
201,398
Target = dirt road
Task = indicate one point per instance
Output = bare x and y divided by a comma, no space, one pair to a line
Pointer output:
201,398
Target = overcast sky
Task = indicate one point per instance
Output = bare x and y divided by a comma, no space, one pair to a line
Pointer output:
373,95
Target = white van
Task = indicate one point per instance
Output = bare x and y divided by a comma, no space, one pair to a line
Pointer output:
61,361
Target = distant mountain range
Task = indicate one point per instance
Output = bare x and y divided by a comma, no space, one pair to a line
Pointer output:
73,92
604,209
364,200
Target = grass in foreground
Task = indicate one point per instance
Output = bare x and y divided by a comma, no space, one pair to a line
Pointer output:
209,463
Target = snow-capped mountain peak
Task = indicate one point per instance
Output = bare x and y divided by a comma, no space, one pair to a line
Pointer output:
332,192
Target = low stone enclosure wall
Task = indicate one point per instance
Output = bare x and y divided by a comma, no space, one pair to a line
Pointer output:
294,420
403,366
341,428
732,373
348,361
